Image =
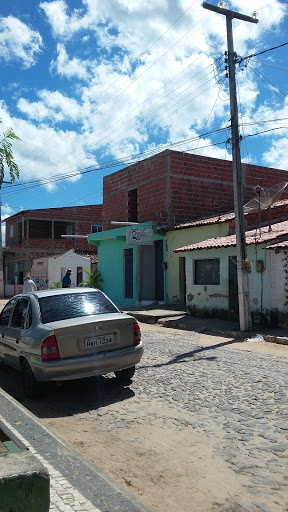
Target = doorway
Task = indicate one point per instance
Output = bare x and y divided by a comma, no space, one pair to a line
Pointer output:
152,272
182,280
233,289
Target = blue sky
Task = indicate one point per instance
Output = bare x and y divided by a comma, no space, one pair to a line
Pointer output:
93,84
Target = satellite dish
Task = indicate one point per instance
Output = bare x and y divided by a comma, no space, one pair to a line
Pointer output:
265,198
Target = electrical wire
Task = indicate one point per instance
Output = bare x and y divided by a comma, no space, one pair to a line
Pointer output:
125,131
132,159
127,69
264,79
271,65
241,59
129,160
136,79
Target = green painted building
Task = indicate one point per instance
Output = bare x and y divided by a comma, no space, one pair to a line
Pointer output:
131,260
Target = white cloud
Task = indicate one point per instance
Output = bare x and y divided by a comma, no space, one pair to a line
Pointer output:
18,41
276,156
40,161
74,68
53,105
121,105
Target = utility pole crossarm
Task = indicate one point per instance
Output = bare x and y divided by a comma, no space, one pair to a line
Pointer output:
230,14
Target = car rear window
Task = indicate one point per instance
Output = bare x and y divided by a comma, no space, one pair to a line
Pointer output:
72,305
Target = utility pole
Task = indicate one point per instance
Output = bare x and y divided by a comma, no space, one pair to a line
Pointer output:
238,178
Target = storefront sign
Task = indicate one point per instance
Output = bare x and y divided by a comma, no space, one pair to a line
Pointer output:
138,236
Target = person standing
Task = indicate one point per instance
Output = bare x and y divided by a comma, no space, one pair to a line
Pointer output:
66,281
29,285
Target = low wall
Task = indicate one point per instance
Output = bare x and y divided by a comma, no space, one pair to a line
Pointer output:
24,482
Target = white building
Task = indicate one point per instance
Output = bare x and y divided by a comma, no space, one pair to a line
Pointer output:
48,271
211,275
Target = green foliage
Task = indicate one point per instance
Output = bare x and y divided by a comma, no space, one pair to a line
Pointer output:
94,279
6,155
57,284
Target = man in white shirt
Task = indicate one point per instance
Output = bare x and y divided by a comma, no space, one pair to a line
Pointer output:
29,285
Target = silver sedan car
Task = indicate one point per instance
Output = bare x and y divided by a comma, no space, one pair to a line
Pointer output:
66,334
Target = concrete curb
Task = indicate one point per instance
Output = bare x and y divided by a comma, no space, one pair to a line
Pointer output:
189,323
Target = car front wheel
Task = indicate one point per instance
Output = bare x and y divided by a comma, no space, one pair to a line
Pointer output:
125,375
31,387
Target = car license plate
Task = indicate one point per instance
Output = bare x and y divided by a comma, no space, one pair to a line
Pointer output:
99,341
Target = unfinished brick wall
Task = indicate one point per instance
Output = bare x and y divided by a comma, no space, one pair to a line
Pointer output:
175,187
203,186
150,178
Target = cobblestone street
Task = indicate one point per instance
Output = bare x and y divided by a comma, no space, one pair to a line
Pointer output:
203,426
231,400
237,398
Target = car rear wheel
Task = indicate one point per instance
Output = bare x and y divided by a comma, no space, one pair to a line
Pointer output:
125,375
31,387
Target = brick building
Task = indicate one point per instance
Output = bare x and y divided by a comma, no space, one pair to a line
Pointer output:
32,234
175,187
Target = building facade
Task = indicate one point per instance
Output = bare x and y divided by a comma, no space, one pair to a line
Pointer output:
174,187
34,234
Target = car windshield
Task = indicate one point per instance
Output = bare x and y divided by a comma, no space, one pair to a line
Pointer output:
72,305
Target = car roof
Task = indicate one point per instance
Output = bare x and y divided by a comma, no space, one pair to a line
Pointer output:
59,291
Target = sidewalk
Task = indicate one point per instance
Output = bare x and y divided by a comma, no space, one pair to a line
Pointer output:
169,316
76,484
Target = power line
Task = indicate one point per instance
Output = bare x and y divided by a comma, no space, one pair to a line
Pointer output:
264,79
113,163
132,159
135,108
271,65
241,59
141,74
205,53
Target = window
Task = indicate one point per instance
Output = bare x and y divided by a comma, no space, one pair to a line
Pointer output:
11,231
133,205
96,228
63,228
207,271
40,228
62,307
19,313
5,315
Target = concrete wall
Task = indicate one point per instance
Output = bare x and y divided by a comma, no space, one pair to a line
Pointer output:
111,267
24,484
203,299
279,281
111,245
67,260
179,238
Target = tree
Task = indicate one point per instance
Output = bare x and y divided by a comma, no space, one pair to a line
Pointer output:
6,155
6,158
94,279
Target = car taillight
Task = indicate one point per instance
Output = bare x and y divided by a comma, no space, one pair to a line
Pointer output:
137,334
49,349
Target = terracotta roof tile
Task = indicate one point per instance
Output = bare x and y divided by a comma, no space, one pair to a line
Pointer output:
255,236
220,218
